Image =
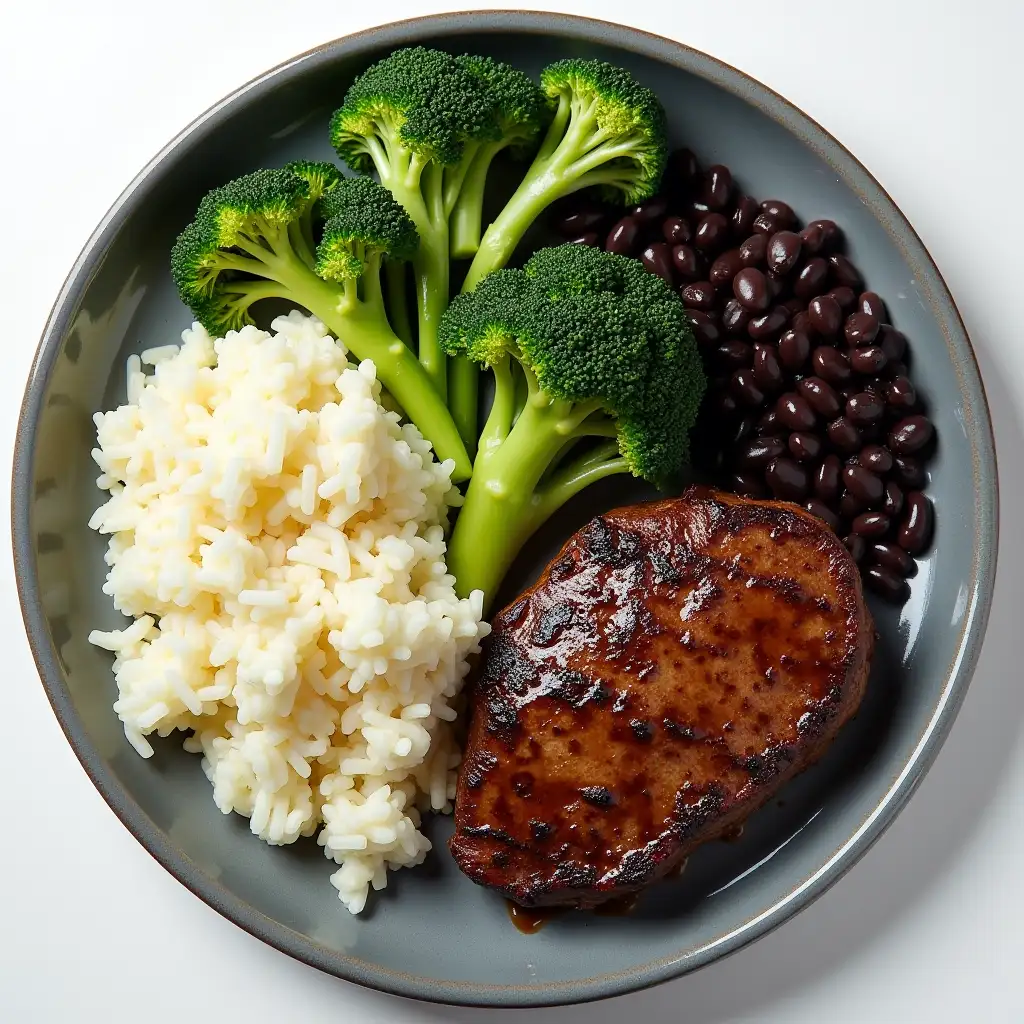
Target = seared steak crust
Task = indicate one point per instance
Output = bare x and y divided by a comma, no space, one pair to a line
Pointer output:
673,666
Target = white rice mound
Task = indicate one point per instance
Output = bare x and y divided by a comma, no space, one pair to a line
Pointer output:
278,538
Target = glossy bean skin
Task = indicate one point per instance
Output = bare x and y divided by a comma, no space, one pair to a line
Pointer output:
768,325
865,409
844,435
871,525
590,238
767,371
781,211
825,315
751,290
657,258
910,472
650,210
786,479
832,236
894,558
705,329
735,318
812,237
861,328
910,435
893,342
748,485
794,412
623,236
726,267
821,511
699,295
811,278
580,221
893,499
887,584
863,484
744,387
820,396
846,297
677,231
857,547
794,350
831,365
716,186
876,458
901,395
712,232
687,263
868,361
915,532
754,250
805,447
757,453
827,480
683,168
742,223
766,224
871,302
734,354
845,272
784,249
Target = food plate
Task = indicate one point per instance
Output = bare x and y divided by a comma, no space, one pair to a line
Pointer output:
433,934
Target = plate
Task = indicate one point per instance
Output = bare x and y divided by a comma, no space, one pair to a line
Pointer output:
433,934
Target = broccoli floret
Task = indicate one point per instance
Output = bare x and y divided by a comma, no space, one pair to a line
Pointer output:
608,131
609,361
248,242
416,118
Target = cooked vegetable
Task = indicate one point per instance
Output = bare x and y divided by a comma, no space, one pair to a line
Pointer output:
607,131
253,239
585,346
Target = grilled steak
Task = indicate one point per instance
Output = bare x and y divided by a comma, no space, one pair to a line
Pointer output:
674,665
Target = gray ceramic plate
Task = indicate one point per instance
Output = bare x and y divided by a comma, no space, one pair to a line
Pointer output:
433,934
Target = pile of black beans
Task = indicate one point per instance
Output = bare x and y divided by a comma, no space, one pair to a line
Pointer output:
809,396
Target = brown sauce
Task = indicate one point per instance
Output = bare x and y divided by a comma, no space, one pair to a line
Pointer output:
529,920
732,835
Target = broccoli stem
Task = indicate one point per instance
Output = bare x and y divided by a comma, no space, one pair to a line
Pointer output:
398,307
430,270
467,215
362,327
503,506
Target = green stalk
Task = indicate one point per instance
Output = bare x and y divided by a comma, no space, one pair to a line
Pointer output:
500,511
465,221
398,306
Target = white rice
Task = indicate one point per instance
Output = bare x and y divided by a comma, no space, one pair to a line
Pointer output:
278,538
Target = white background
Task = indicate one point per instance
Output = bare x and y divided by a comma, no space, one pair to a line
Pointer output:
927,927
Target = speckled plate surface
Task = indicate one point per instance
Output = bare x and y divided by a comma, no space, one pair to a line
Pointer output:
433,934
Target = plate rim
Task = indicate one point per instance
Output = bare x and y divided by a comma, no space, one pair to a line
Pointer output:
985,539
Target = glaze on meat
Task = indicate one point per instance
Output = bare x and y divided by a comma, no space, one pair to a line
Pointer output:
673,666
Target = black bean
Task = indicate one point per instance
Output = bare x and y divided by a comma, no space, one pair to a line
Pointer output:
863,484
916,529
794,412
871,525
850,506
743,216
580,221
756,454
832,236
687,263
826,479
901,394
745,388
783,251
871,302
726,267
805,447
892,502
650,210
766,224
754,250
812,237
724,405
786,479
676,231
683,168
751,289
820,395
776,285
876,458
869,361
781,211
897,369
767,371
768,425
846,297
811,278
717,186
742,428
795,306
769,324
893,342
735,318
910,435
712,232
857,547
590,238
910,472
623,236
657,258
845,272
705,330
864,409
887,584
894,558
734,354
821,511
844,435
830,364
699,295
860,328
801,322
794,350
747,485
825,315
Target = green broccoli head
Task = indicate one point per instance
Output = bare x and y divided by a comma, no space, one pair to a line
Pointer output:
319,175
520,108
251,212
364,223
595,330
419,99
622,114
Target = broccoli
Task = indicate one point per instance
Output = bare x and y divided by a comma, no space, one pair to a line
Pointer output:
588,350
252,239
607,131
429,124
